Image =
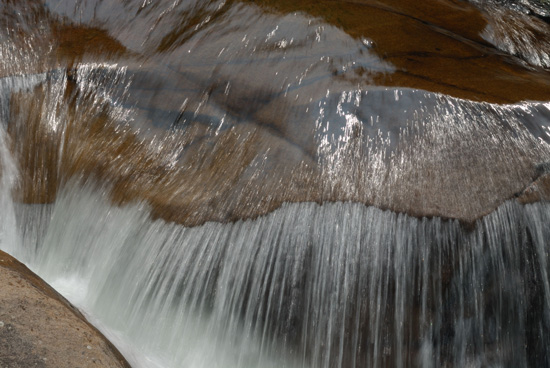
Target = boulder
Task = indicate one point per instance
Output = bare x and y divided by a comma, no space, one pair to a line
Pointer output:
39,328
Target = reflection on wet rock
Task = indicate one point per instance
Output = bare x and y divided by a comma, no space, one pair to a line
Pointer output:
410,151
519,35
277,183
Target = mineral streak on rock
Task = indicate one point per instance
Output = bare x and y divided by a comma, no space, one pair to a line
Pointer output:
39,328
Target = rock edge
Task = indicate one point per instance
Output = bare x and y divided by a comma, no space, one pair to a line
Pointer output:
40,328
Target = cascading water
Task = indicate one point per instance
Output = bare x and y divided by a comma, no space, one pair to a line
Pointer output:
245,196
9,240
308,285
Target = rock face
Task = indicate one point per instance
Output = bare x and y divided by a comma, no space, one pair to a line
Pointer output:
433,45
539,189
226,109
39,328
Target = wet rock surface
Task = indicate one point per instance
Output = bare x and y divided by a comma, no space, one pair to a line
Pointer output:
432,163
226,110
540,8
434,45
221,111
539,189
39,328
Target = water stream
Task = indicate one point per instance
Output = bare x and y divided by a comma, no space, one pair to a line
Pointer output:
247,195
335,285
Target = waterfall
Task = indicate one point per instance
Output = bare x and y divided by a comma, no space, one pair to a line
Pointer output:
9,240
338,284
333,285
219,184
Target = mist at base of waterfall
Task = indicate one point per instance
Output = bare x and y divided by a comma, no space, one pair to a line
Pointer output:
332,285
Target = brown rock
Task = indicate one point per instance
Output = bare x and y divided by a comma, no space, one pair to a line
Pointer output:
270,149
539,189
39,328
434,45
251,168
34,30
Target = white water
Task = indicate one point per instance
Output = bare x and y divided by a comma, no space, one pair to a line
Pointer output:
308,285
247,293
337,285
9,240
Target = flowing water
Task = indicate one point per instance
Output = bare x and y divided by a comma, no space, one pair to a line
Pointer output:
323,286
220,185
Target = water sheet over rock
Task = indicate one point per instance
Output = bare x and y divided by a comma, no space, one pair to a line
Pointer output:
232,117
282,183
337,285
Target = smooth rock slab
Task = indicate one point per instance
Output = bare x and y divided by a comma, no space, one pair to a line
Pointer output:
269,102
39,328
